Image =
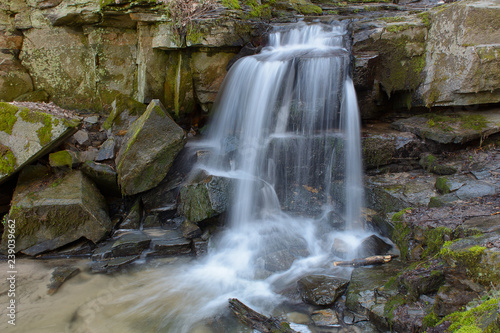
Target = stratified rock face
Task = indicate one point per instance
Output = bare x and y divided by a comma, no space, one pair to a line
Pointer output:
54,210
463,55
447,56
28,133
149,149
205,197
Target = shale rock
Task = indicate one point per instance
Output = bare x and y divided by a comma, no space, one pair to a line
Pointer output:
320,289
26,133
148,151
55,210
104,177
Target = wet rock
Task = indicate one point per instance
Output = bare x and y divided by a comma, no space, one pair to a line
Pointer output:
369,291
320,289
107,150
325,317
484,224
63,209
104,177
145,157
167,242
372,246
130,243
28,133
134,217
340,248
59,276
204,197
112,264
200,246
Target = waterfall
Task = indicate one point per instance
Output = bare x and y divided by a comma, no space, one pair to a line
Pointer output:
286,132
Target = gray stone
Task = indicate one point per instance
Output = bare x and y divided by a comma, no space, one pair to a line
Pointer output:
27,134
104,177
112,264
107,150
64,209
204,196
81,137
475,190
320,289
148,151
372,246
130,243
151,221
59,276
190,230
167,242
134,217
91,120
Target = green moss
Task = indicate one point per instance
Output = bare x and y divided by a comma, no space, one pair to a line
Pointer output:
399,215
426,19
7,117
45,132
392,304
475,319
395,28
469,259
442,185
231,4
61,158
393,19
473,121
430,320
8,161
309,9
434,239
401,237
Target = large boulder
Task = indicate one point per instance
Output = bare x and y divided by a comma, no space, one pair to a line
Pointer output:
52,210
149,149
28,132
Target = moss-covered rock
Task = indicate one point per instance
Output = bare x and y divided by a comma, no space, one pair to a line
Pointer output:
63,158
34,96
26,134
204,197
124,111
54,210
149,149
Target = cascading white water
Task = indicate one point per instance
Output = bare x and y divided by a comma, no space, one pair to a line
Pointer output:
286,131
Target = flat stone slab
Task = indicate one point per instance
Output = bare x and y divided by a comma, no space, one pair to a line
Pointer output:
167,242
59,276
452,128
29,131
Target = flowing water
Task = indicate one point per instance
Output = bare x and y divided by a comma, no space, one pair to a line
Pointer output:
286,133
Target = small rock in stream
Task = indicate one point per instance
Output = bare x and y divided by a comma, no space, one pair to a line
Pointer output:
59,276
321,289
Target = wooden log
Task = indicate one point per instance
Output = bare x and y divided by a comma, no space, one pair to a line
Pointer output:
374,260
258,321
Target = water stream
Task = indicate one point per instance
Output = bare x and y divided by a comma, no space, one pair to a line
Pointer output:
286,133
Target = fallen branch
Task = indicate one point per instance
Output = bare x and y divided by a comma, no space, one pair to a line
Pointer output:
366,261
258,321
